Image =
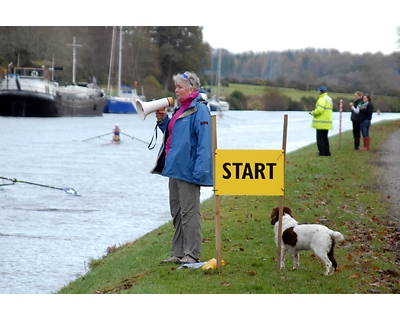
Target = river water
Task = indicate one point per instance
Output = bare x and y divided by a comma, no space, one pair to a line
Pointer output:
47,236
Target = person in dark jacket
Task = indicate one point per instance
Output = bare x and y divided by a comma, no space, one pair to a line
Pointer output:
355,118
366,111
186,159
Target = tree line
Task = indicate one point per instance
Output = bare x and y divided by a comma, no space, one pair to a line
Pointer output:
152,54
307,69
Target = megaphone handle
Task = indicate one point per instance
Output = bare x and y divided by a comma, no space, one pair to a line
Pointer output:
150,147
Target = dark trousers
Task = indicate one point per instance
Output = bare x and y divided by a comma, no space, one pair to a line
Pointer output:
356,133
323,142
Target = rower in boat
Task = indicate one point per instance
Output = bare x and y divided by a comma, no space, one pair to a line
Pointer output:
116,131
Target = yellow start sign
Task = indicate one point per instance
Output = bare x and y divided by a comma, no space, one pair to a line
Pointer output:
249,172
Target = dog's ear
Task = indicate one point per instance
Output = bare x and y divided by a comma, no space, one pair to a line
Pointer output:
288,211
274,215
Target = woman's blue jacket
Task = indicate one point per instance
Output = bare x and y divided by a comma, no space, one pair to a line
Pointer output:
190,155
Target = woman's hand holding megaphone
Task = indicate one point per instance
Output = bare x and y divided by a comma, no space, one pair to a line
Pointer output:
160,114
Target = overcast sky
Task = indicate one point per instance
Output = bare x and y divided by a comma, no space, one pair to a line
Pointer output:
352,25
356,26
380,38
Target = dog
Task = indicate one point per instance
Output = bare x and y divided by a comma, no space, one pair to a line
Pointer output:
298,237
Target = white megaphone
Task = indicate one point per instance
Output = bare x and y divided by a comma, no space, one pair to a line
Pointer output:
144,108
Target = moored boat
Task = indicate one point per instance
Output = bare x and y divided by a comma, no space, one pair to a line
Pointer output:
218,105
32,92
124,103
214,103
29,92
80,100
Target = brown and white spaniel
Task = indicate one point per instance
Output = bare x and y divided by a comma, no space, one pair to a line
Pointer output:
298,237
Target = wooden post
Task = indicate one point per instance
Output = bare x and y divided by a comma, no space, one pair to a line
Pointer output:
217,216
281,198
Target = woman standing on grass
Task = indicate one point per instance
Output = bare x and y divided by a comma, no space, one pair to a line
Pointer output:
366,111
355,118
186,159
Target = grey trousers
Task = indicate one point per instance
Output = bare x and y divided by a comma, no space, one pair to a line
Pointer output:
184,201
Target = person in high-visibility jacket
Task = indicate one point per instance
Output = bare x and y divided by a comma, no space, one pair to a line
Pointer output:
322,121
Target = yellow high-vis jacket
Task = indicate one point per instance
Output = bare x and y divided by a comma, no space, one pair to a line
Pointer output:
322,114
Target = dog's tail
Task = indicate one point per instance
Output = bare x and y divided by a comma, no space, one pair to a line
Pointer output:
337,236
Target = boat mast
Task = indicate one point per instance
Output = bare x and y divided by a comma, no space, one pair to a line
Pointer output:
219,73
212,73
111,62
52,70
73,59
120,59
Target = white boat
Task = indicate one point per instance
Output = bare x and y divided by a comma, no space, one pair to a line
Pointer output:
218,105
32,92
214,103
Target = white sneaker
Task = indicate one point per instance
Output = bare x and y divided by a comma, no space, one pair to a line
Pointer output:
188,259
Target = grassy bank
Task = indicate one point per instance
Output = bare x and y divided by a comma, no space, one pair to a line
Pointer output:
339,191
294,94
256,95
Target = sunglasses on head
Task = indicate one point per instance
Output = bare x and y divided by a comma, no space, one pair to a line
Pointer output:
184,75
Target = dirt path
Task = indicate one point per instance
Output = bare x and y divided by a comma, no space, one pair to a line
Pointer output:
389,176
